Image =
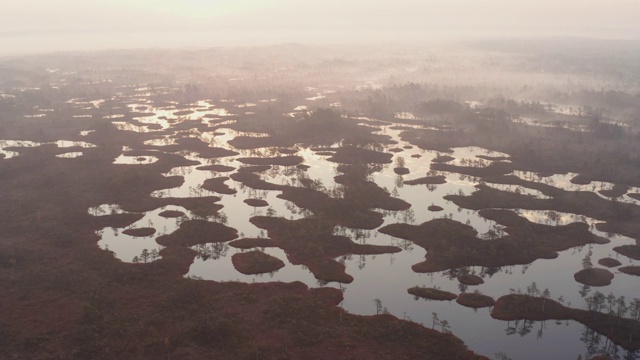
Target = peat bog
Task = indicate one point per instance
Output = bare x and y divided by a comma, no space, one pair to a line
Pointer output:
311,214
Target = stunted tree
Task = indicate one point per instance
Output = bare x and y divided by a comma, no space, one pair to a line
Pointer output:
435,320
145,255
378,303
622,308
611,300
586,260
445,326
545,295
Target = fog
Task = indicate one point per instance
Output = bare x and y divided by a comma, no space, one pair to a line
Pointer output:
35,26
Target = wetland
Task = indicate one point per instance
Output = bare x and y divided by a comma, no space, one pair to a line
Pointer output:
329,209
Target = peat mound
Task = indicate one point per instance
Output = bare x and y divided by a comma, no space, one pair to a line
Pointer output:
256,262
594,277
218,185
475,300
140,232
431,293
609,262
171,214
427,180
630,270
632,251
194,232
256,202
470,279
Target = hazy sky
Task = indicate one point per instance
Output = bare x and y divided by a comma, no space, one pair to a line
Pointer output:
141,23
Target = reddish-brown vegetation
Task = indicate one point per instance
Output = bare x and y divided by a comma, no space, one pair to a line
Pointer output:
428,180
256,262
470,279
218,185
256,202
311,243
171,214
431,293
195,232
630,270
609,262
475,300
451,244
140,232
632,251
594,277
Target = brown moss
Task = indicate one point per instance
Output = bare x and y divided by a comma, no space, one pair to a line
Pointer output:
431,293
632,251
194,232
310,242
428,180
256,262
616,191
202,206
475,300
443,158
254,169
141,232
609,262
493,158
594,277
254,181
470,279
171,214
287,151
580,180
249,243
218,185
256,202
630,270
451,244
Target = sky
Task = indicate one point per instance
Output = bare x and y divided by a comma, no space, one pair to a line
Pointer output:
38,25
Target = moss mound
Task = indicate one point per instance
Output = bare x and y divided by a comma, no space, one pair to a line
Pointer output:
431,293
256,262
475,300
594,277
